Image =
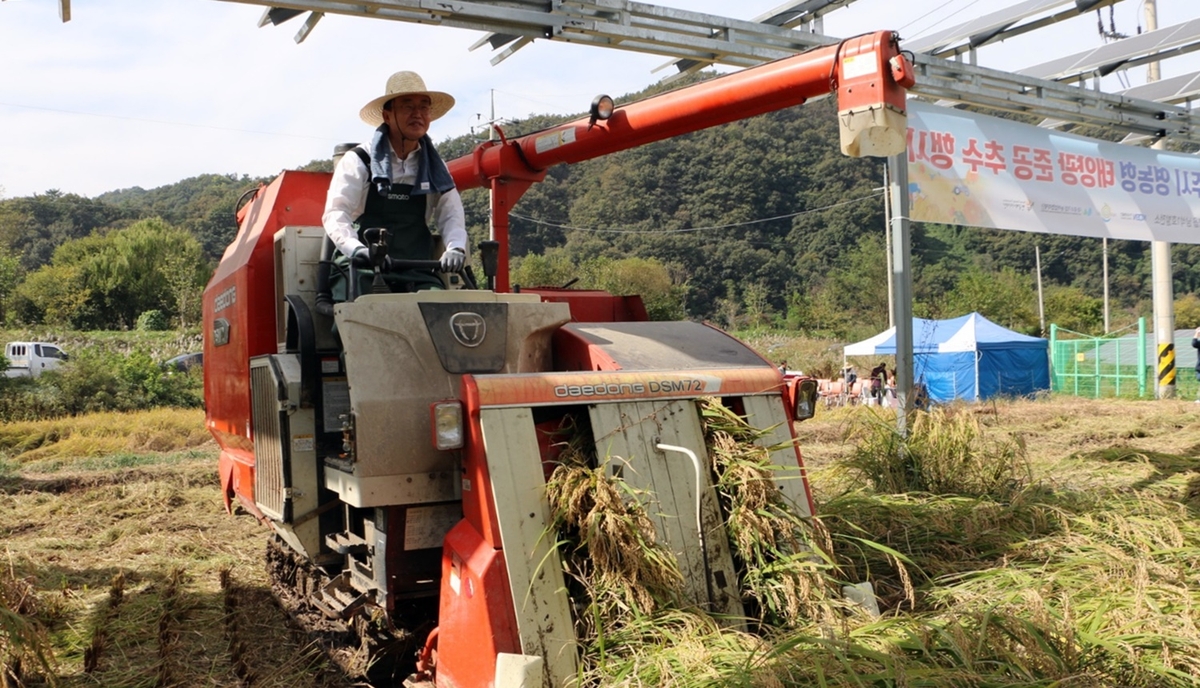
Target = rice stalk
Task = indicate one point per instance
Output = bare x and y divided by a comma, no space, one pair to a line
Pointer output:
785,564
610,544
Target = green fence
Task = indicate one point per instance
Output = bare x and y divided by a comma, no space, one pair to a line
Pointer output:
1115,365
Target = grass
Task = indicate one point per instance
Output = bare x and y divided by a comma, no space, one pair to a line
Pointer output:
1077,565
105,440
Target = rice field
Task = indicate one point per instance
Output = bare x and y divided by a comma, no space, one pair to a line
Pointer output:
1031,543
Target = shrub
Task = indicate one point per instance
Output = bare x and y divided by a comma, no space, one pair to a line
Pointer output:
96,380
152,321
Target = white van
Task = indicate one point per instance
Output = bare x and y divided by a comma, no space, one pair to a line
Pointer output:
30,359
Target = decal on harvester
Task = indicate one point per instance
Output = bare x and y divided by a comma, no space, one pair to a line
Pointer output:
863,64
555,388
469,329
225,299
687,385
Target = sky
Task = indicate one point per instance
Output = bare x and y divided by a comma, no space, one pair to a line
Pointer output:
146,93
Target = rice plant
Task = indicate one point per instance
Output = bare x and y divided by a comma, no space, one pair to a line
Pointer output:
945,451
786,569
24,645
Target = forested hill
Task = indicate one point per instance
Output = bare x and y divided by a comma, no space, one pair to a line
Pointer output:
758,222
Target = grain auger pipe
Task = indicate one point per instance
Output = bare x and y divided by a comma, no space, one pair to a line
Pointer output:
868,73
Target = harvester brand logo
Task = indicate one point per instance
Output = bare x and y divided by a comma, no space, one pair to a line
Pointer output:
687,385
468,329
225,299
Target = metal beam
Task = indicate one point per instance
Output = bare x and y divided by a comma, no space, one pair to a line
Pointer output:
687,35
954,81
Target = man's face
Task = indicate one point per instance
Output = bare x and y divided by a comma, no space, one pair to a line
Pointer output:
409,115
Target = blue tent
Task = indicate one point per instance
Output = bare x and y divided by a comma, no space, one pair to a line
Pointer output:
969,357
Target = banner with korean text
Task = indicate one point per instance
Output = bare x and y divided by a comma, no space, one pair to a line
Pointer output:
970,169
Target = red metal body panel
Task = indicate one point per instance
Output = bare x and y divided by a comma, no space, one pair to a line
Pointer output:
242,293
479,507
572,352
594,306
476,618
873,83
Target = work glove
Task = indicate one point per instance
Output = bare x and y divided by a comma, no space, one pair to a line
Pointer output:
453,260
361,258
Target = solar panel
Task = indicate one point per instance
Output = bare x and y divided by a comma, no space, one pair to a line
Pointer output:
1107,58
787,15
1000,19
796,12
1174,90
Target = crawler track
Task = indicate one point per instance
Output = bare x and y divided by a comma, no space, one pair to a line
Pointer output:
366,647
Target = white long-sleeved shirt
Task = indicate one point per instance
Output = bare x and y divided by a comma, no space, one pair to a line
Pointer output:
347,199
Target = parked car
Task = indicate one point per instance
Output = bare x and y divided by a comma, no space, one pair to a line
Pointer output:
184,362
30,359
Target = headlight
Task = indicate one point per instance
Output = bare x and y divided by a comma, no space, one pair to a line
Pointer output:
447,424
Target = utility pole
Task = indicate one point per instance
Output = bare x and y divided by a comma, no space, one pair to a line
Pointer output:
1037,259
1160,263
1107,325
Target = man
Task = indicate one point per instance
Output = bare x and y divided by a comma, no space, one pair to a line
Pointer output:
400,183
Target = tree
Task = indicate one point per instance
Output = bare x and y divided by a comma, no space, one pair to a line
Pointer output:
107,280
10,277
1005,297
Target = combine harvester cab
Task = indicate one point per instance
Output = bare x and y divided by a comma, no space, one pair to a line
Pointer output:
402,461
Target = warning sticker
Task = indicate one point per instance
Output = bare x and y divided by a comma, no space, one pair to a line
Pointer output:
302,443
426,526
555,139
336,394
859,65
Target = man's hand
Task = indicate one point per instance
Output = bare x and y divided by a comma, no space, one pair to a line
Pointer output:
453,260
361,258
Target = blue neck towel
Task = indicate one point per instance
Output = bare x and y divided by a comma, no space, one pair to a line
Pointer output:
432,174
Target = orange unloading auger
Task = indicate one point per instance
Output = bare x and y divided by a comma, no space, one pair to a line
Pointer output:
868,73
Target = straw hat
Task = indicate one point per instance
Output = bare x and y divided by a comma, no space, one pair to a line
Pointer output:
403,84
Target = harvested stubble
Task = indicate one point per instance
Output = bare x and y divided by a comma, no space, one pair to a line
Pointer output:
127,566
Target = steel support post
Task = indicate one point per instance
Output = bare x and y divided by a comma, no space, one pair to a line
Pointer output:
902,286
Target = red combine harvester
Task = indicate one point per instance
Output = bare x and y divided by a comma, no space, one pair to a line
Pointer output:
395,443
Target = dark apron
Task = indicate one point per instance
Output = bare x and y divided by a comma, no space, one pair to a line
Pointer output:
403,216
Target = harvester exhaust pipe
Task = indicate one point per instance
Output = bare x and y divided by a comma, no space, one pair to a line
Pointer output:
489,256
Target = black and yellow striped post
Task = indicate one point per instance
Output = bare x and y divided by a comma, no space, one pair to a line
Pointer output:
1166,370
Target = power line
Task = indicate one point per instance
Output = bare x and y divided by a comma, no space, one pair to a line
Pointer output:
606,230
936,9
166,122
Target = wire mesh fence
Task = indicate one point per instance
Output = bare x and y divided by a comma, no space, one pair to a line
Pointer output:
1120,364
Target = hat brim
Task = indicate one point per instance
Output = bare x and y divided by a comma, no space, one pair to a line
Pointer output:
439,104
